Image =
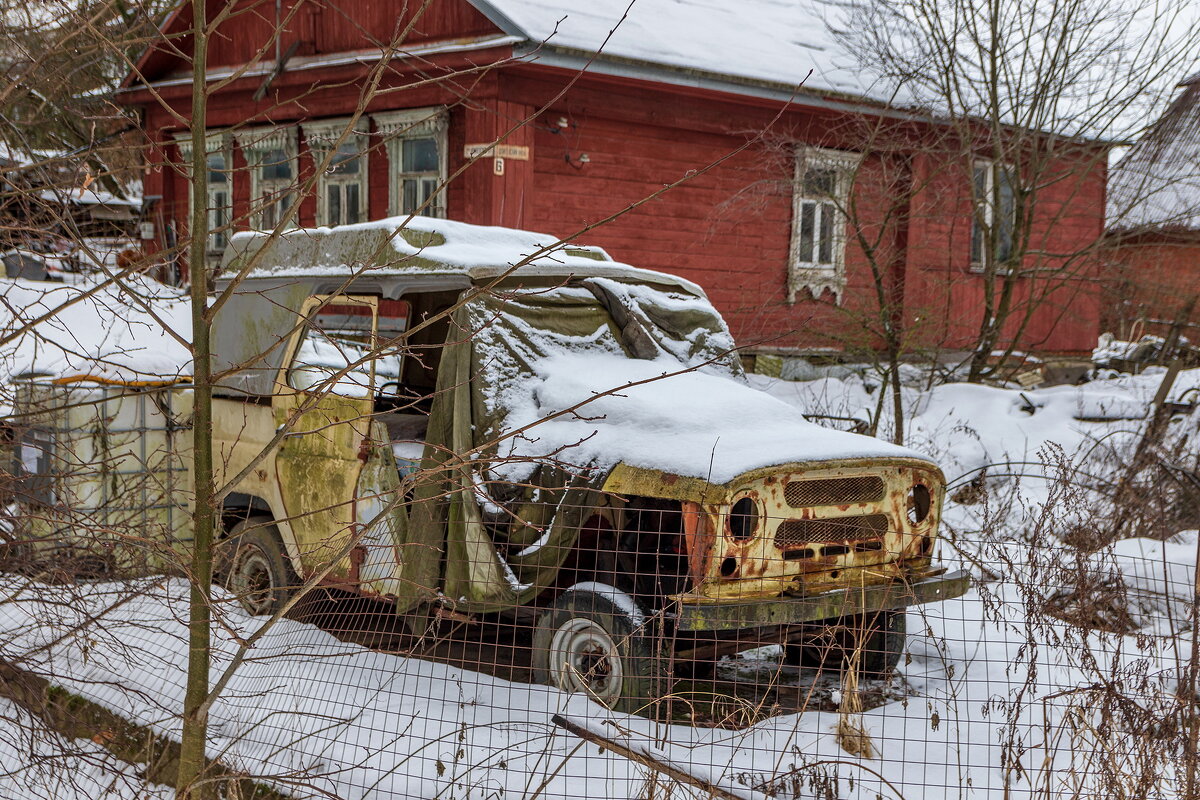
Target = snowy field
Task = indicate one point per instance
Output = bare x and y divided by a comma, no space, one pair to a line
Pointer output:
1057,675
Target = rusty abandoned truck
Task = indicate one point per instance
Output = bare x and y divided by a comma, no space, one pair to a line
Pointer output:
571,442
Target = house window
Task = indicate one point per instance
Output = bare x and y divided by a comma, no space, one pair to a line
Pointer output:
343,183
342,187
271,156
220,190
416,148
995,213
820,191
219,201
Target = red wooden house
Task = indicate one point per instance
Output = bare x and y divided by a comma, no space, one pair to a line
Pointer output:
759,109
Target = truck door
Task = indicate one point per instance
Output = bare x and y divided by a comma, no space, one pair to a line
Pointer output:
325,394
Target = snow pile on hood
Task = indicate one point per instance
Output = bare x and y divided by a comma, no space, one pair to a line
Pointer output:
94,330
582,406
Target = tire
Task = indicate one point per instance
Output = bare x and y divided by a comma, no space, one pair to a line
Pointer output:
586,643
881,634
255,568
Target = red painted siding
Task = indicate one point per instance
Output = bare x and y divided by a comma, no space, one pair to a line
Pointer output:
728,225
316,27
1155,283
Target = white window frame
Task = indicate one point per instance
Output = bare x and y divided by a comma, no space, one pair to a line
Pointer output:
219,214
321,137
806,272
415,123
984,209
270,197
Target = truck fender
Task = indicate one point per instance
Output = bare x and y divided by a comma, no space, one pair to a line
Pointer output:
247,505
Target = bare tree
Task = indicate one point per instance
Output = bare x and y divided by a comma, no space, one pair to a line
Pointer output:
1023,96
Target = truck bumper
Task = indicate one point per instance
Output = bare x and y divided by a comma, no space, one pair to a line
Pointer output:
722,616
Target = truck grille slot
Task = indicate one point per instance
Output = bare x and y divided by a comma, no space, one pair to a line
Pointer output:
833,491
793,533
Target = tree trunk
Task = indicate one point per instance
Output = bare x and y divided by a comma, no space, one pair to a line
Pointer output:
195,709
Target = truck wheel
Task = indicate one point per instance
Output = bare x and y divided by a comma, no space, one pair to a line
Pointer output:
255,568
585,642
881,634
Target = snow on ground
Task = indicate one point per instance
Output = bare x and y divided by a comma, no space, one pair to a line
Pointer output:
359,723
970,427
38,764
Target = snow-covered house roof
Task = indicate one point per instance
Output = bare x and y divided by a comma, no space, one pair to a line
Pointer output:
761,47
1157,183
776,42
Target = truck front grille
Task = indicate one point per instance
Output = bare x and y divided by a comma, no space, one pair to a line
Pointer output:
834,491
794,533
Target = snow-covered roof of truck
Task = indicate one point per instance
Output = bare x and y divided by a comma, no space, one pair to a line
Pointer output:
402,248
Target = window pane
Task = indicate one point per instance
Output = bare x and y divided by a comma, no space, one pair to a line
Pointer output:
276,166
1008,209
826,237
333,355
981,215
333,211
352,202
409,195
216,168
419,155
981,183
428,188
220,208
807,226
345,161
820,182
218,217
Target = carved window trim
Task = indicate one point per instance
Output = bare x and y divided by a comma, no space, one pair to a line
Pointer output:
410,125
821,186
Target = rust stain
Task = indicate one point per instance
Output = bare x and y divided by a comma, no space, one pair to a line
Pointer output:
699,538
766,567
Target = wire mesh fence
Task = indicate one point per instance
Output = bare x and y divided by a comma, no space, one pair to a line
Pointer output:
635,668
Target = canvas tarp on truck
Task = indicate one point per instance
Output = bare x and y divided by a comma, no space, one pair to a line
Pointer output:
516,507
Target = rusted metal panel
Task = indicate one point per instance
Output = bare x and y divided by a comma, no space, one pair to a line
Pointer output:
817,547
870,536
727,616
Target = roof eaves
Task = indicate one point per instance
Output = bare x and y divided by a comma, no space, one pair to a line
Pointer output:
548,55
302,63
133,76
499,18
